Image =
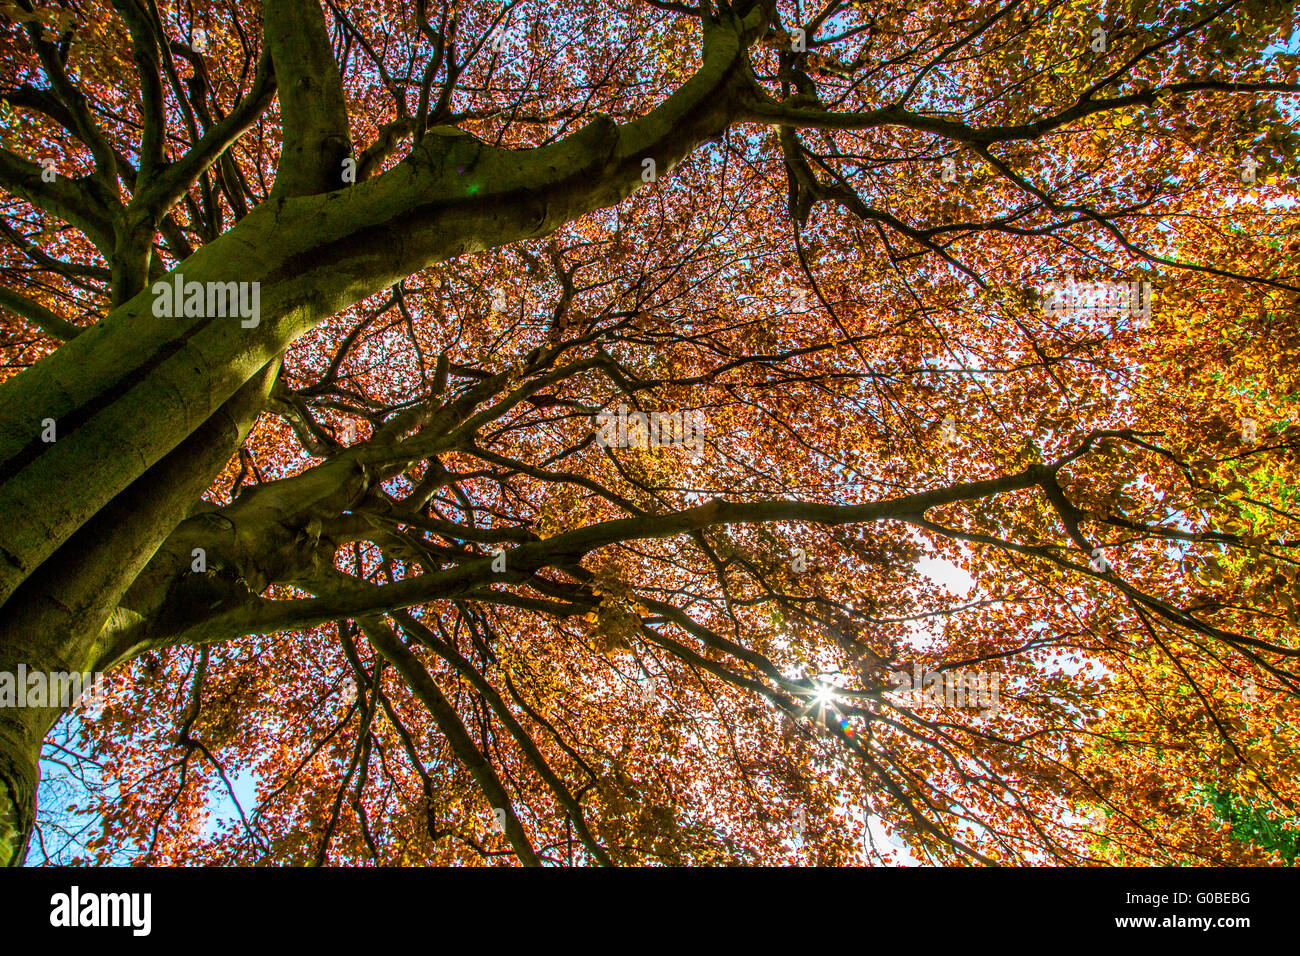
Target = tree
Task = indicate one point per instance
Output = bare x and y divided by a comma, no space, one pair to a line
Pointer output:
376,480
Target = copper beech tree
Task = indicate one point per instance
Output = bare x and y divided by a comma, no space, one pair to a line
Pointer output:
552,432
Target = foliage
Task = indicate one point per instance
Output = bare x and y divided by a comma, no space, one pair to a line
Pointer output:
436,619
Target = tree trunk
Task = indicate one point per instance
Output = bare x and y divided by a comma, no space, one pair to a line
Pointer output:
21,733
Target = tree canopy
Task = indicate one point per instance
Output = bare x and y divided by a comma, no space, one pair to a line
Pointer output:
557,433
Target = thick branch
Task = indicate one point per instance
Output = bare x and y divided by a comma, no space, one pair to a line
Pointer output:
313,112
